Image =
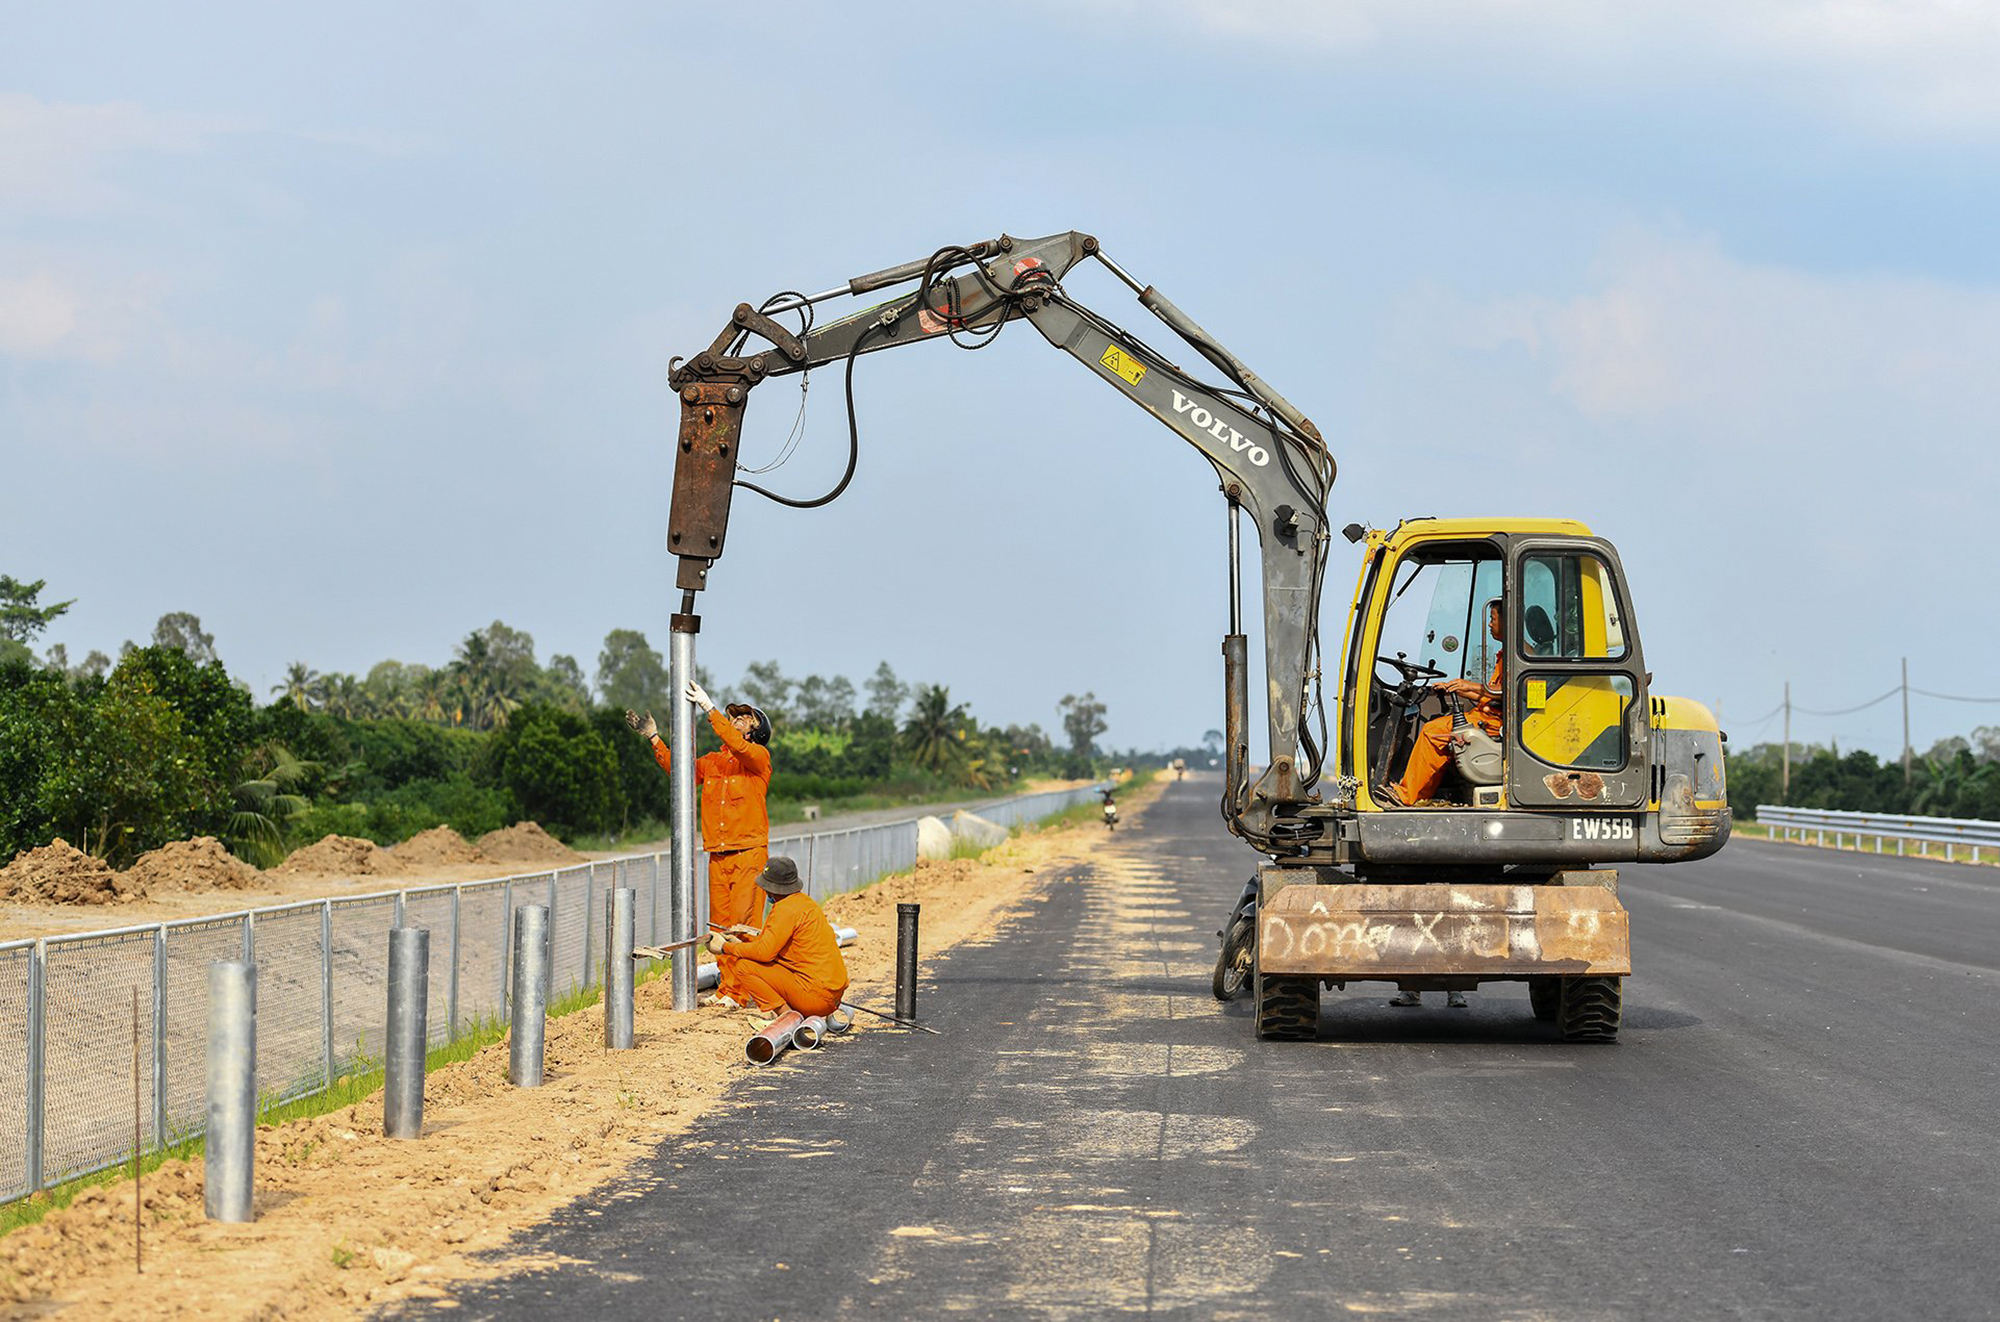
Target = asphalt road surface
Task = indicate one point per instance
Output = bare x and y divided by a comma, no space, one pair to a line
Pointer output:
1799,1121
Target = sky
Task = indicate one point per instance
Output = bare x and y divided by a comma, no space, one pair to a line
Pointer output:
346,328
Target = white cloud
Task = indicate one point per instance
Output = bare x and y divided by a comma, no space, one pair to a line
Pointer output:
1679,334
54,155
1923,66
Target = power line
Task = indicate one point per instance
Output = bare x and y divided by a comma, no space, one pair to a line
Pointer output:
1847,711
1951,697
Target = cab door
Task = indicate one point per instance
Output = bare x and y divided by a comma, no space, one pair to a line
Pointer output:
1575,707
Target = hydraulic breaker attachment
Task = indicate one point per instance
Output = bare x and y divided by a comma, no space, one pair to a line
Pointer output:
1360,932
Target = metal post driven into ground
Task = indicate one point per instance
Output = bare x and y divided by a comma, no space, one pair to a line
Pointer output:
906,962
620,906
408,1032
680,900
232,1091
531,996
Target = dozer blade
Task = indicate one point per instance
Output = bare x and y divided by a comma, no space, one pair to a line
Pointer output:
1367,931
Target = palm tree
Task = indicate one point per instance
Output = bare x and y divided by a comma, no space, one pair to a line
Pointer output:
934,733
303,686
344,696
431,695
265,805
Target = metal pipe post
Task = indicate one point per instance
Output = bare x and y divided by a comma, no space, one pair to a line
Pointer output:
326,992
160,1038
589,928
906,962
407,1036
38,1013
227,1177
620,909
680,902
531,996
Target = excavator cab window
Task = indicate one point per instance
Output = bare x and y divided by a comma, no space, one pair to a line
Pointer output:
1436,619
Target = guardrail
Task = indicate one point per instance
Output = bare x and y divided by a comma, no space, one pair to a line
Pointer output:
322,988
1954,833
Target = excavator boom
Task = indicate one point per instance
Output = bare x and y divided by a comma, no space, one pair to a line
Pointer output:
1269,457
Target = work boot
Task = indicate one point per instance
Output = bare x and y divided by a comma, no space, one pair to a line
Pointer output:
1407,999
1455,1000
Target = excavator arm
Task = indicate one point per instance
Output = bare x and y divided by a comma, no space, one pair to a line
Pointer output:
1269,457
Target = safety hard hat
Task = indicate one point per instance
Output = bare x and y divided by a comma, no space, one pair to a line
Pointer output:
761,734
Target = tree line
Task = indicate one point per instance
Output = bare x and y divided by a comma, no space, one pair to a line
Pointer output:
1958,777
120,757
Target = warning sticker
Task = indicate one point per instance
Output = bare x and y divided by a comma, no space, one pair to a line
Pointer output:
1118,364
1538,694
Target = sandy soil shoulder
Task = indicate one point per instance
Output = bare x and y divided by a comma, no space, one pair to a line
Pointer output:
349,1220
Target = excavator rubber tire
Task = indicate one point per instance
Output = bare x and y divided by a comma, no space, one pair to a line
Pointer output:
1591,1009
1545,994
1234,966
1287,1008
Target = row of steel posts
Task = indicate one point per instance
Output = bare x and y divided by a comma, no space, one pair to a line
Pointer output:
229,1179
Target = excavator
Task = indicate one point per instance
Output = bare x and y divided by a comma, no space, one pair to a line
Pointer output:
1507,869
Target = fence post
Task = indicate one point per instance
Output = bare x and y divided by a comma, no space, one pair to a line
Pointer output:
326,987
589,920
250,938
506,946
160,1037
37,1052
451,997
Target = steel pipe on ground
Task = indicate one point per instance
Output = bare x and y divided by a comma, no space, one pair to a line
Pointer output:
817,1028
227,1173
768,1045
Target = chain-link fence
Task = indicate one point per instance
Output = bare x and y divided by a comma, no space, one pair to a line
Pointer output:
70,1006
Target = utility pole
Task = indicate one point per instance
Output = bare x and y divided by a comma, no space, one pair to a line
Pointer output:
1785,784
1906,721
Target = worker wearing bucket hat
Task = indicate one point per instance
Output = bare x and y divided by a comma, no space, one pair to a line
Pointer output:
735,823
795,961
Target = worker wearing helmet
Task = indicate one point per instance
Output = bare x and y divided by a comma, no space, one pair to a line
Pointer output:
1433,749
735,824
794,963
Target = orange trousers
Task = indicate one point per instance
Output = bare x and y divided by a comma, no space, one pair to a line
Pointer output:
774,987
734,897
1432,754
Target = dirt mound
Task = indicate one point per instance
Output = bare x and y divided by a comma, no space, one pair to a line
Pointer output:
200,864
60,873
334,855
440,844
526,842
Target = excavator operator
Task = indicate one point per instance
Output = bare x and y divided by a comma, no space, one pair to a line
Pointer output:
735,824
1432,751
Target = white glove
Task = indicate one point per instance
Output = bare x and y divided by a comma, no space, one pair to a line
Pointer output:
643,724
715,944
697,695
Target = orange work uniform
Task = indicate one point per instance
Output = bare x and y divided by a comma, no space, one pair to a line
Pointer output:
795,961
735,823
1433,748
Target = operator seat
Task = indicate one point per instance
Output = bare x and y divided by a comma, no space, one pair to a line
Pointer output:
1480,760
